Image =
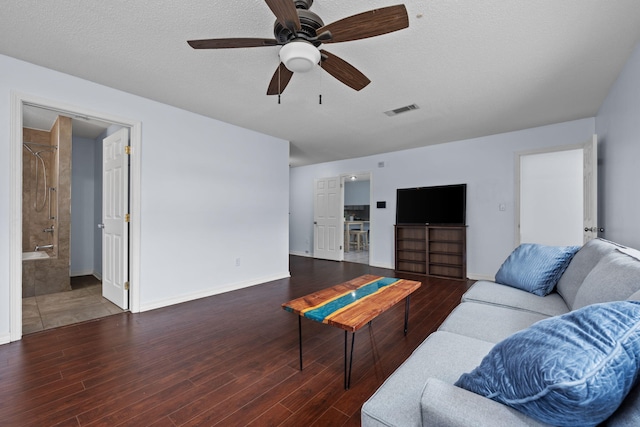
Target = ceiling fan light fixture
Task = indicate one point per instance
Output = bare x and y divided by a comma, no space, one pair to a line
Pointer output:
299,56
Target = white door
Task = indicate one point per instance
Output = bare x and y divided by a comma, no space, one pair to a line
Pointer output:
590,188
327,219
115,208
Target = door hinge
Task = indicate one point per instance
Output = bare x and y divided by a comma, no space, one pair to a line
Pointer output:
126,286
126,218
127,149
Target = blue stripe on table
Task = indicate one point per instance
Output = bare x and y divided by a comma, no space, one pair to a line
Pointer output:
320,313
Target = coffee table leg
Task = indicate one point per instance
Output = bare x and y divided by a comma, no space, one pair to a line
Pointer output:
348,362
300,338
406,315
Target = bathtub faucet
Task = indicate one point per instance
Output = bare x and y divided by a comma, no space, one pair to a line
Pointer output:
38,247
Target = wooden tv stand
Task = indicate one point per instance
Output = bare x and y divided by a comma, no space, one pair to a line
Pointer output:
432,250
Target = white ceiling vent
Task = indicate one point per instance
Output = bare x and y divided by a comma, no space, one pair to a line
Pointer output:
401,110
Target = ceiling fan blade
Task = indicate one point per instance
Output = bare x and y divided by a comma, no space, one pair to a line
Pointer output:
231,43
367,24
286,13
280,80
343,71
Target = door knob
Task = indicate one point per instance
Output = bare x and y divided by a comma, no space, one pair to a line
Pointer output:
102,226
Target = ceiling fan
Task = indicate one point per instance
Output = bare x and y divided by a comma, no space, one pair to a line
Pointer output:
300,32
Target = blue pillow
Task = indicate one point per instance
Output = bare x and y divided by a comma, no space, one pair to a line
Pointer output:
569,370
535,268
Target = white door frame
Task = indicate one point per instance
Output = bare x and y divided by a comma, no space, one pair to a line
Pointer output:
517,178
15,238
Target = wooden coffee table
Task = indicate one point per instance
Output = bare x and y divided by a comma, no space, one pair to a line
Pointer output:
350,306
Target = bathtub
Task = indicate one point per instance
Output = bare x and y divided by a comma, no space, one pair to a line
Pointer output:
26,256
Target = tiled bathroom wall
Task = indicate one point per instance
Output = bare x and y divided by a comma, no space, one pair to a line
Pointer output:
49,275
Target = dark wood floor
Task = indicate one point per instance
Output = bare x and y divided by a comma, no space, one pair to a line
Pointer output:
227,360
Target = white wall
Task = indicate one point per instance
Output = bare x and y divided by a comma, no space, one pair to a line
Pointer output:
618,128
82,206
205,203
356,193
486,165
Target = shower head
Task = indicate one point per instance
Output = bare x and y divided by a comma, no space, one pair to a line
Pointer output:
24,144
39,146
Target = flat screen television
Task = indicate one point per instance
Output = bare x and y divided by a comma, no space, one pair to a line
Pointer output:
441,205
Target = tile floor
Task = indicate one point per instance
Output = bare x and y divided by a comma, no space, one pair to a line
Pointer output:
361,257
84,302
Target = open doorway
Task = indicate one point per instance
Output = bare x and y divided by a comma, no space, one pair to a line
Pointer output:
557,195
357,216
84,124
62,204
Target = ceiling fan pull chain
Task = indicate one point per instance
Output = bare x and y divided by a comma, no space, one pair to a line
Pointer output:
320,77
279,91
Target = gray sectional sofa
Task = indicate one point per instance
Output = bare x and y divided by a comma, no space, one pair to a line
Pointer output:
421,392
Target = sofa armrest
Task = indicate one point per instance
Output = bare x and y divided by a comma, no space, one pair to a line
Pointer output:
444,404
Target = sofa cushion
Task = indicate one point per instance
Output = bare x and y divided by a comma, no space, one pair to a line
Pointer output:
444,356
615,278
444,404
628,414
535,268
634,296
505,296
576,370
581,264
488,322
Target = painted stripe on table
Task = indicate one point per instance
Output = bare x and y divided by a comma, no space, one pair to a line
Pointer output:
340,303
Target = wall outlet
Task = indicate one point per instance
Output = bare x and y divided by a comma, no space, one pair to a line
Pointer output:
237,262
502,207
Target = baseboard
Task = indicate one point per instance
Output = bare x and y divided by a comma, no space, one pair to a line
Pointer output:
86,273
208,293
81,273
474,276
5,339
387,266
297,253
308,255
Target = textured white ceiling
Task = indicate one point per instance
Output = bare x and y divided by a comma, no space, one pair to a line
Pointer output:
474,68
44,119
